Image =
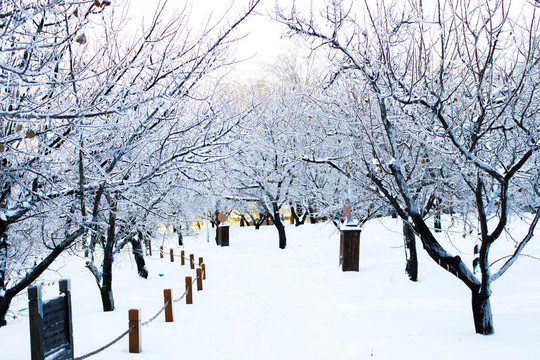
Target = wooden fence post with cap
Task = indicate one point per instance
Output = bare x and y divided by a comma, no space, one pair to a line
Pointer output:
199,279
189,288
203,266
135,344
35,308
192,261
182,257
349,248
172,254
64,286
167,294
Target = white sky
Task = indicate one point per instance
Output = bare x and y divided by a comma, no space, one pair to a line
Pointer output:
263,41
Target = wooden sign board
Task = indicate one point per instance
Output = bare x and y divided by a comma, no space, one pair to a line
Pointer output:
51,333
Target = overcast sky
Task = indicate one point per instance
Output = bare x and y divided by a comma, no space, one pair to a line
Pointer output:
263,37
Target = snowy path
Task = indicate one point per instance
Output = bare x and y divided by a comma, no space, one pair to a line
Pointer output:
260,302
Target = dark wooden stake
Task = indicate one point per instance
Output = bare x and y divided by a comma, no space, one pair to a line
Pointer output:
201,261
161,252
203,266
350,249
172,255
135,345
35,308
182,257
167,294
199,279
189,288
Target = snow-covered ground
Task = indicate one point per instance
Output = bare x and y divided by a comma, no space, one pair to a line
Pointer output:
260,302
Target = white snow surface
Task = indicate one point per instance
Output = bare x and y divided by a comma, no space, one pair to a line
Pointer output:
260,302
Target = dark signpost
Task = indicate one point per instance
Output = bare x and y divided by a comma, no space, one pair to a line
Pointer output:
51,334
349,242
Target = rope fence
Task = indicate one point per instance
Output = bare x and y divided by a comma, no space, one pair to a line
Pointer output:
134,314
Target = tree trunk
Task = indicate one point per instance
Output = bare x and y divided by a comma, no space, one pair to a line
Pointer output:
437,220
280,227
106,285
30,277
5,301
411,266
258,222
294,217
483,318
138,255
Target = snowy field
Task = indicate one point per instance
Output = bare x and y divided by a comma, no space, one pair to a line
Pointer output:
260,302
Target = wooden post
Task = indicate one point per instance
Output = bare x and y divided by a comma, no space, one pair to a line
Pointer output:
349,248
161,252
201,260
172,255
167,294
135,344
189,288
199,279
192,261
203,266
35,308
65,288
182,257
223,235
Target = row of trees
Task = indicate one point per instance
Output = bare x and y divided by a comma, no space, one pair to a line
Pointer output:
425,110
419,111
99,125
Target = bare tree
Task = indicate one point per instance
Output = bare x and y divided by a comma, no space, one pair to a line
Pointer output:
464,80
87,117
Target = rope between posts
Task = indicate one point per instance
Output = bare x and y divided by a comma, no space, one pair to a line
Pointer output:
183,295
105,346
143,324
155,316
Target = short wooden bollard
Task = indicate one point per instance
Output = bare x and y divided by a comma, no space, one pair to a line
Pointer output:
201,260
135,345
172,255
161,252
199,279
167,295
189,288
192,261
182,257
203,266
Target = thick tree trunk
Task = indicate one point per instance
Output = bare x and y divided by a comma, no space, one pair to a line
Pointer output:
5,301
280,227
282,235
411,266
138,255
483,318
